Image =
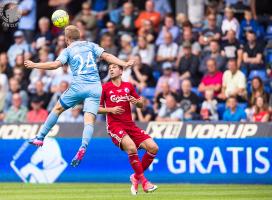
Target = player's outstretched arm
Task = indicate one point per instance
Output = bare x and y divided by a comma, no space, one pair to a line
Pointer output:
114,60
46,65
117,110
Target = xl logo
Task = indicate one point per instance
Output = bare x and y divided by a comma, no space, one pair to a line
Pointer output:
164,129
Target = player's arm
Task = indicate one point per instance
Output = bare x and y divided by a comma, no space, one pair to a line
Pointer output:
117,110
114,60
46,65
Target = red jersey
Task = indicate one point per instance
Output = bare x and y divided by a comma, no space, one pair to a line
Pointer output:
259,116
118,96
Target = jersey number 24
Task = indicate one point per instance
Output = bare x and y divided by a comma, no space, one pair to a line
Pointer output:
85,67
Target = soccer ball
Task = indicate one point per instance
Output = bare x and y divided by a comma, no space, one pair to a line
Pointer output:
60,18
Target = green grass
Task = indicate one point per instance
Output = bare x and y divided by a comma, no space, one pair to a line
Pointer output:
15,191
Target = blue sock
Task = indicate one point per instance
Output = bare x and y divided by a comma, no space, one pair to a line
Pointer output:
49,123
87,135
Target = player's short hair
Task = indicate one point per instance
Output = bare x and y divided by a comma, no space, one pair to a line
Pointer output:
72,32
120,67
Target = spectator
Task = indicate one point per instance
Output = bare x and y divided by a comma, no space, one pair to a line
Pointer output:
112,31
17,112
62,88
170,110
126,47
19,47
145,50
188,100
44,37
41,94
126,23
149,13
3,88
196,12
27,23
144,114
72,115
234,112
214,54
107,43
257,90
89,18
212,32
172,78
37,114
261,113
181,18
19,75
64,76
167,51
168,27
60,45
147,31
14,88
252,56
141,74
188,65
160,98
163,7
234,83
213,79
230,22
84,33
187,36
209,107
248,24
231,48
4,65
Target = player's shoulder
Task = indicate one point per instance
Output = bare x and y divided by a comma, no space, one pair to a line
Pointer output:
106,85
126,84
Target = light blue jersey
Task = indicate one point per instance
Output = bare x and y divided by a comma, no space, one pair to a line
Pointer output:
86,87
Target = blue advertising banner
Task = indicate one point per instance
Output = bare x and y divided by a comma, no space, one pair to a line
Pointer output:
179,160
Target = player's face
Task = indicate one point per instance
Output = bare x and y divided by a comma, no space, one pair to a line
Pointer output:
115,71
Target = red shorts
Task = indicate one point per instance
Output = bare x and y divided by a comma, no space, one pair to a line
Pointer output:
117,132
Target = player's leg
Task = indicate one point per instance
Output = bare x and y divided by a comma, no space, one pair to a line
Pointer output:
151,151
49,123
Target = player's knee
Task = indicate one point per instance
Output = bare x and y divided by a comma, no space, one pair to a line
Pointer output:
153,148
130,149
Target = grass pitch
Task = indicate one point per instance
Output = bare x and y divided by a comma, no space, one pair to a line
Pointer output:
92,191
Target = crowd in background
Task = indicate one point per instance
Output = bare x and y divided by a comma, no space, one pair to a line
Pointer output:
212,62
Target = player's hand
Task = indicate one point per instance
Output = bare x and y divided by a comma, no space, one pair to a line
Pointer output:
117,110
130,63
133,100
29,64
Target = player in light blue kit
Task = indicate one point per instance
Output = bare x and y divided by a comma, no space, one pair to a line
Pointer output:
86,87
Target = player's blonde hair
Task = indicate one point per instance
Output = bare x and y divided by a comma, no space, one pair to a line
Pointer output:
72,32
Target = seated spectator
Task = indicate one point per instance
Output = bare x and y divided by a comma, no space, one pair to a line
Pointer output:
16,112
170,110
62,88
168,27
212,32
144,114
126,22
44,36
253,51
88,17
64,76
172,78
145,50
160,98
4,65
141,74
167,51
126,47
188,65
213,79
84,33
261,112
147,31
230,22
188,100
234,83
111,30
107,43
148,13
72,115
209,107
248,24
187,36
21,76
257,90
60,45
234,112
40,93
215,54
37,114
19,47
14,87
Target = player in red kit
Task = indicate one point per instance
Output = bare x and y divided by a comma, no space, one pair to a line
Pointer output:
115,102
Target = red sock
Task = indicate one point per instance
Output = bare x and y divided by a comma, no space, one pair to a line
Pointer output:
147,160
137,166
